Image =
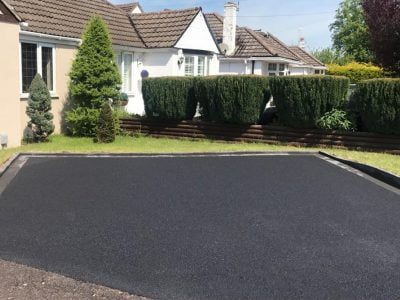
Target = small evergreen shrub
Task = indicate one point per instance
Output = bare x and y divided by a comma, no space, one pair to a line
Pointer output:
169,98
232,99
356,71
336,120
378,103
39,110
82,121
302,100
106,125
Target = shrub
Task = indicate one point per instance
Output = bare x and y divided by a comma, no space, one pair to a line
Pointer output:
356,71
82,121
302,100
169,98
378,103
336,120
232,99
106,125
38,110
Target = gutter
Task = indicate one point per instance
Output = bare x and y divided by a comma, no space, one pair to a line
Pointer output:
50,37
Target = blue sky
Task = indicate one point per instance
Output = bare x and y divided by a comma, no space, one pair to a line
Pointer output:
286,19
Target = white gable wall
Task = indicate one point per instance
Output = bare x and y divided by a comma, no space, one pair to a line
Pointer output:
198,36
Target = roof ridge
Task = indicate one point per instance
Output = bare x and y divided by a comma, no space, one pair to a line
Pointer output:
171,11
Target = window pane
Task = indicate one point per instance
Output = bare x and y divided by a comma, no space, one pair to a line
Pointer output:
281,73
201,66
189,66
281,67
128,72
47,66
272,74
29,64
272,67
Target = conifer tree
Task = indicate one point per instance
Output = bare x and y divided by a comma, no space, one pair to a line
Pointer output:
39,110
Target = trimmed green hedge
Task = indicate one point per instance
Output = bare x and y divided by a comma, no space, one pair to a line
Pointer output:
232,99
378,103
169,98
302,100
356,71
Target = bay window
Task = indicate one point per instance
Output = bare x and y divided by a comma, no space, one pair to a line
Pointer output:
125,66
275,69
189,65
37,58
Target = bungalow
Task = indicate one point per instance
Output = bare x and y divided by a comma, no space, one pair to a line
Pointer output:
42,36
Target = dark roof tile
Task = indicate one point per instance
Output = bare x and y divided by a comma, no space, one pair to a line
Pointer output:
306,57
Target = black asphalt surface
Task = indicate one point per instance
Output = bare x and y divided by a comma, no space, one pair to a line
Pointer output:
206,227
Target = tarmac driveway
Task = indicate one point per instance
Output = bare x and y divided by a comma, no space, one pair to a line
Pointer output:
205,227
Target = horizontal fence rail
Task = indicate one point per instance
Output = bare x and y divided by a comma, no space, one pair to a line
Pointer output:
266,134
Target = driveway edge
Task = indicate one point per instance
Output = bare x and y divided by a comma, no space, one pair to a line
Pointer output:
379,174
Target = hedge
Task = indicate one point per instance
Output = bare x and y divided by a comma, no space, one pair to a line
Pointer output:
378,103
302,100
232,99
356,71
169,98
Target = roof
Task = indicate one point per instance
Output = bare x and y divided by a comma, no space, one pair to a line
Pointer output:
7,13
306,57
163,29
251,43
68,18
129,7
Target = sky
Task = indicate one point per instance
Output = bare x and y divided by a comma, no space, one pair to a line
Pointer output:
286,19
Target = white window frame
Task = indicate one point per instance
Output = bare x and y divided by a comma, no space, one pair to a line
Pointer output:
196,65
39,46
122,71
278,70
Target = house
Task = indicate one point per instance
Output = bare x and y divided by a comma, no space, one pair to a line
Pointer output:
247,51
42,36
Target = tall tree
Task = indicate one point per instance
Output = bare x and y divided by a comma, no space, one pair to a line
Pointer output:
331,56
94,74
39,110
350,33
383,20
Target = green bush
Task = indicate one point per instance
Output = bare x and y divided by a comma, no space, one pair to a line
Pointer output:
302,100
39,111
106,125
336,120
169,98
82,121
356,71
378,103
232,99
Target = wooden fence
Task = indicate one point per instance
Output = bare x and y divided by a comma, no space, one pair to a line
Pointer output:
266,134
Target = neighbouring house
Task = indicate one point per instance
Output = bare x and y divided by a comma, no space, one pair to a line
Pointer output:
42,36
248,51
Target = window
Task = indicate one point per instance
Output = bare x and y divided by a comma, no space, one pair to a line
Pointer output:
275,69
272,67
201,66
189,65
37,58
125,63
47,66
196,65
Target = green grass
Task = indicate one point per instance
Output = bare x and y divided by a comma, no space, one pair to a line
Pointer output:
126,144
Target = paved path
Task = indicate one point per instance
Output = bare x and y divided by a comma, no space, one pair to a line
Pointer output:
206,227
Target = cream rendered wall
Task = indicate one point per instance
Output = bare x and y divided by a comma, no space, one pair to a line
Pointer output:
64,56
9,83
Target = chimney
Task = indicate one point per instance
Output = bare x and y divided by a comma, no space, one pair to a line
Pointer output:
229,33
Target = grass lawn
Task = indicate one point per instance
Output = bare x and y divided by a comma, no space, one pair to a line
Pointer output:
143,144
